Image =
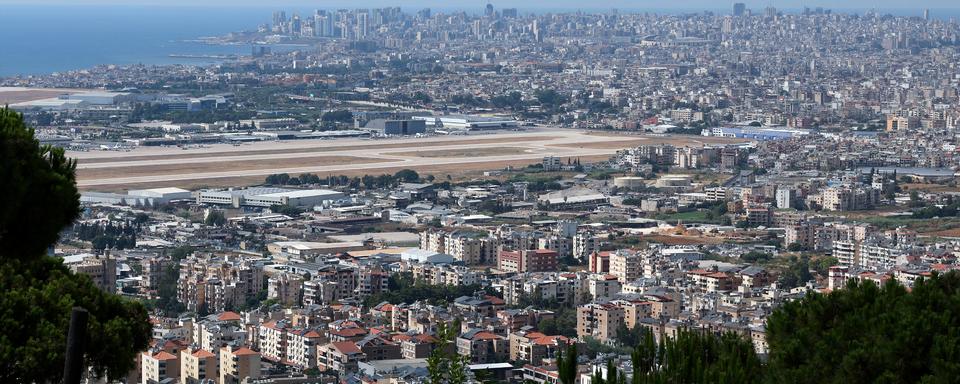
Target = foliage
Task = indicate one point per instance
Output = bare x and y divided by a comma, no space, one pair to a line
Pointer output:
952,209
550,98
36,298
756,257
567,364
341,116
39,193
367,181
181,252
37,292
693,356
466,99
512,100
285,209
407,176
797,272
403,289
215,218
286,179
564,324
108,236
167,301
865,333
444,367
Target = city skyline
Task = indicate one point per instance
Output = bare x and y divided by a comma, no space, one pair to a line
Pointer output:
533,5
473,192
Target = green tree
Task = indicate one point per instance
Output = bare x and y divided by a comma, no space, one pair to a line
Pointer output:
694,356
215,218
288,210
567,364
796,273
440,363
407,175
865,333
39,194
37,292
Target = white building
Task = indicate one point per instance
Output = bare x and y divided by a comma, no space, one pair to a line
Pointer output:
268,197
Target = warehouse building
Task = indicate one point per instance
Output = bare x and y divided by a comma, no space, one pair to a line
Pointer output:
396,127
756,133
469,122
268,197
137,198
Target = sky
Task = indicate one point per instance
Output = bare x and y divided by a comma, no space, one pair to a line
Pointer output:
523,4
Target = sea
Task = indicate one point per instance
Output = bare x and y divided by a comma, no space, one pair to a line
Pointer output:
42,39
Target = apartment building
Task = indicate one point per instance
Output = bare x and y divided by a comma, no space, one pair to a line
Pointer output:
603,286
273,340
341,356
539,260
534,347
626,265
237,364
286,288
102,270
157,366
482,346
711,280
469,248
599,320
197,366
302,347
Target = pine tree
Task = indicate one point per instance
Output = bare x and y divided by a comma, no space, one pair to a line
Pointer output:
37,292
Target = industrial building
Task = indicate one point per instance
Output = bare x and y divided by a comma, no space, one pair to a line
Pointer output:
137,198
397,127
267,197
756,133
469,122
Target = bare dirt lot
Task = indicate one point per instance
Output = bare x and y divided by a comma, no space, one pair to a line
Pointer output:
681,240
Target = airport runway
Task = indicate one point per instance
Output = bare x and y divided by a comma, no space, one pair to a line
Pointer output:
154,165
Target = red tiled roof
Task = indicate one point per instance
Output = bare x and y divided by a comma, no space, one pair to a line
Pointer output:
535,335
551,340
203,354
244,351
346,347
485,336
229,316
164,355
349,332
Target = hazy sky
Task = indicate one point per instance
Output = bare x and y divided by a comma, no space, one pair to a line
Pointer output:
527,4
